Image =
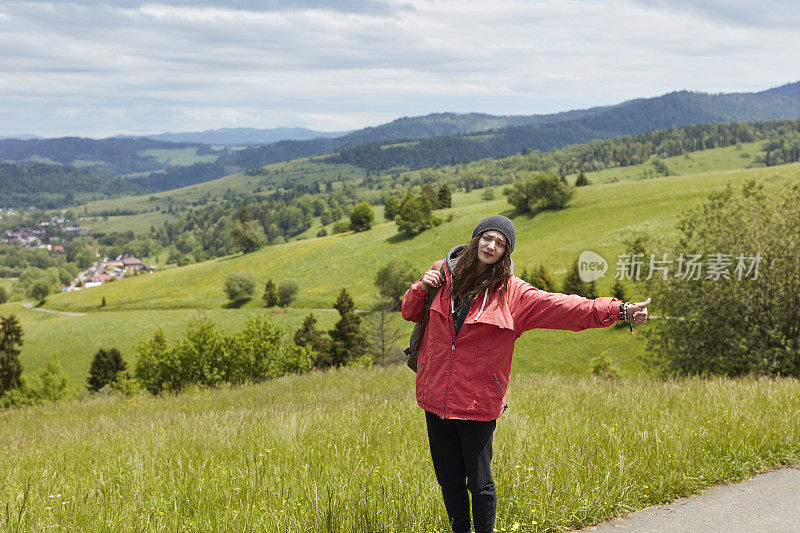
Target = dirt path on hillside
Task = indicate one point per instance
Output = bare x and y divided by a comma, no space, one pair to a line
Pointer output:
766,503
30,306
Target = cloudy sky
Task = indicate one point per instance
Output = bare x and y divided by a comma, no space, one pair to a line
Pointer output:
102,67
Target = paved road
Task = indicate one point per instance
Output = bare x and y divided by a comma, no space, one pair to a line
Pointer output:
766,503
43,310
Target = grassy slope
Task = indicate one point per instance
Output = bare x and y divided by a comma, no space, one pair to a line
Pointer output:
305,171
296,171
598,219
727,158
346,451
321,266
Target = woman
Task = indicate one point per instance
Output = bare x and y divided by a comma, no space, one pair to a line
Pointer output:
465,358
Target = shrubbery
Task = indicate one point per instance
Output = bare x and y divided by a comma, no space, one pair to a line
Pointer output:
415,215
532,193
721,324
240,286
207,358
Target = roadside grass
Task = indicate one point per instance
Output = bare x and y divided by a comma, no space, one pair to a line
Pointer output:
598,219
345,451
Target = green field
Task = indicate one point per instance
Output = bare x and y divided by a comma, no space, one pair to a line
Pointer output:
598,219
296,171
346,451
322,266
179,156
715,159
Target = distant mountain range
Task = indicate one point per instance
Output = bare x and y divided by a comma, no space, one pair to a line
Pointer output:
445,137
439,138
244,136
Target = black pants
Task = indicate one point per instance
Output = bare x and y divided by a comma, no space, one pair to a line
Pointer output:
462,452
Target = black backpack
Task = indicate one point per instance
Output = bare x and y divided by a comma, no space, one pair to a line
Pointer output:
415,342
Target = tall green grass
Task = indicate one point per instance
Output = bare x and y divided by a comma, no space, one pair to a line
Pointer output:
346,451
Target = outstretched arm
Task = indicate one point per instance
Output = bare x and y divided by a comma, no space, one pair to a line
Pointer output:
535,308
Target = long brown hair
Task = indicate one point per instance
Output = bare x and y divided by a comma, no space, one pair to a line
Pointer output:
467,283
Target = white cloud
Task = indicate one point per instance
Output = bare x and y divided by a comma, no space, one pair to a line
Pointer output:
203,64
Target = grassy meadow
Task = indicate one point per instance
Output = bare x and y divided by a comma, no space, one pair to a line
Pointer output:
345,451
598,219
322,266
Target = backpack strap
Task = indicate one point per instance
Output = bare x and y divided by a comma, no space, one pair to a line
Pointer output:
419,328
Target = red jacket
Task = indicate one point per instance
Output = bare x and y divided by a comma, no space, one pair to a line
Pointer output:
466,377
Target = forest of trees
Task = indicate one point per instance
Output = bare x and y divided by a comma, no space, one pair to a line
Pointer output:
54,186
594,155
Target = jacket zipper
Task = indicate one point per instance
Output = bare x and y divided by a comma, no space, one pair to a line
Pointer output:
505,405
452,357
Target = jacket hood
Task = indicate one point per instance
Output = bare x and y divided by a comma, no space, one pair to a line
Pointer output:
452,258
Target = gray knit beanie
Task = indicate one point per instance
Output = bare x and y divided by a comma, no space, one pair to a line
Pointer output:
499,223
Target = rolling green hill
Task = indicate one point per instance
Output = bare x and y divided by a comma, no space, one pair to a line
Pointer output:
323,265
598,219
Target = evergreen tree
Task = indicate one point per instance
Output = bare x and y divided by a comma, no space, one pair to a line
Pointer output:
591,290
445,196
427,192
618,291
10,340
270,294
542,280
3,295
573,284
308,335
582,180
347,343
104,368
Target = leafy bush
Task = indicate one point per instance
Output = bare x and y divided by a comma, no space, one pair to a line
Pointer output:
361,217
287,292
603,366
391,207
748,320
340,227
415,215
204,357
240,286
39,290
532,193
392,281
